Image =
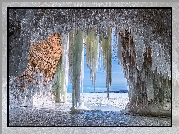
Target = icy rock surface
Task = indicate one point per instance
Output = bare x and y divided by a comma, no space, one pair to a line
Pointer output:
32,95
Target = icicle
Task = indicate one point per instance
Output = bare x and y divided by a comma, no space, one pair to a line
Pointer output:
65,65
95,59
106,46
61,76
82,69
100,56
70,54
76,67
63,89
119,53
92,53
109,55
94,82
57,82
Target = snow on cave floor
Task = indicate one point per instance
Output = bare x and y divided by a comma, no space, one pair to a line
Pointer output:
102,112
99,101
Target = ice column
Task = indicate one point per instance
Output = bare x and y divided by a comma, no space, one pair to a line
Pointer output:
82,69
92,53
76,43
61,76
119,52
65,64
57,85
106,48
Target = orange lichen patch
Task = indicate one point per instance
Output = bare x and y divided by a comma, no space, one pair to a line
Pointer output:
43,56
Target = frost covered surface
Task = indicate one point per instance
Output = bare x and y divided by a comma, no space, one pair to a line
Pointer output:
51,117
100,112
147,25
99,101
144,38
149,84
33,95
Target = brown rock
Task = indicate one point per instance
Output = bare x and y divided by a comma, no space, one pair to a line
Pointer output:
43,56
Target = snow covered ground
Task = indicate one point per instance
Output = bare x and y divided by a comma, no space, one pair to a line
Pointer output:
100,112
99,101
90,101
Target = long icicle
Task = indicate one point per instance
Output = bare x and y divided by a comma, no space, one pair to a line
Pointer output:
61,76
57,82
70,55
96,56
109,57
65,65
92,53
119,52
106,48
76,65
82,69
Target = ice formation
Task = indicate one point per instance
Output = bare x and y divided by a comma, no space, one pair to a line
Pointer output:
144,49
75,66
106,49
61,77
82,69
92,52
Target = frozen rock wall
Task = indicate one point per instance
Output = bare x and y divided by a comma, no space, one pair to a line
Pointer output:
43,58
149,89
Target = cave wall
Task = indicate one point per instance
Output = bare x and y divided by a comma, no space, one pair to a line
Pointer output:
18,51
149,90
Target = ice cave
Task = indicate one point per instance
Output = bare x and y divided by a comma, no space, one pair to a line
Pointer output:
46,47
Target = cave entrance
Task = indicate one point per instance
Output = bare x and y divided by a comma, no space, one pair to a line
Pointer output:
91,87
93,94
96,98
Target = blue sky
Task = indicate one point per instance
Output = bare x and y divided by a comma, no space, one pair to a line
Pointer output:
118,80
